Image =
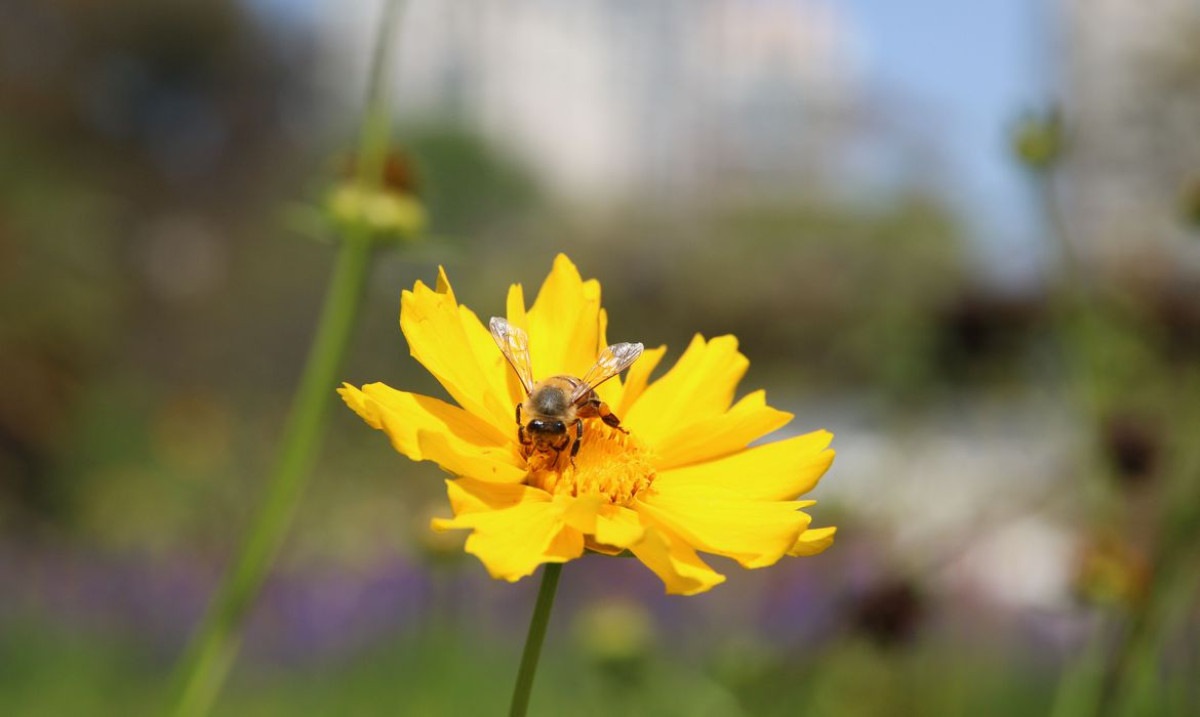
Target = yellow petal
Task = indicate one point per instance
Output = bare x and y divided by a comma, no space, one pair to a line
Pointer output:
618,526
700,385
564,323
716,520
714,436
468,495
675,563
513,542
636,380
610,526
813,541
453,345
426,429
780,470
580,512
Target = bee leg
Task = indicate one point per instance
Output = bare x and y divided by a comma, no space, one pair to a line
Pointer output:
518,414
610,419
578,437
577,441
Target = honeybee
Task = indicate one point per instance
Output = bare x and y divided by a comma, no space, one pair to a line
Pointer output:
554,405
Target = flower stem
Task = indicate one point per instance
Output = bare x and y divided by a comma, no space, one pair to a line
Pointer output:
213,649
211,653
533,641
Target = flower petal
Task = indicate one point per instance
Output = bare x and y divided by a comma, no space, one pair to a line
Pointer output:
564,323
453,345
514,541
700,385
425,428
611,526
675,563
492,467
635,381
468,495
780,470
729,432
813,541
717,520
618,526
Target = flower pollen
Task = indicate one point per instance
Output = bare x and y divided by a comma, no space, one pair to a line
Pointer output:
610,463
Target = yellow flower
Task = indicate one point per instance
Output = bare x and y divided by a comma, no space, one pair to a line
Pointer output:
682,479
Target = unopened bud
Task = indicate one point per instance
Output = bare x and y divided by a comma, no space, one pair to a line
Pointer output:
1037,140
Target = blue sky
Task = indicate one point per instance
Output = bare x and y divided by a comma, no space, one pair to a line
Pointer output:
974,67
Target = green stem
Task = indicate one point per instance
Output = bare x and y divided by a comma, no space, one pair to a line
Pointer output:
211,653
533,641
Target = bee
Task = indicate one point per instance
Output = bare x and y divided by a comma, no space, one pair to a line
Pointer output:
555,405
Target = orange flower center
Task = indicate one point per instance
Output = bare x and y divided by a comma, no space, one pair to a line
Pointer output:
610,462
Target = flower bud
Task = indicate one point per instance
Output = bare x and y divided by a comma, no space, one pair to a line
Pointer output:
1037,141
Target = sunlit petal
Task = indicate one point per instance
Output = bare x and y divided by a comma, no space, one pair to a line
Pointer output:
755,533
454,346
512,542
780,470
700,385
749,419
564,322
813,541
426,429
676,564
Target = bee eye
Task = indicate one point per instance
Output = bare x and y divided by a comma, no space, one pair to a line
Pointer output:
560,427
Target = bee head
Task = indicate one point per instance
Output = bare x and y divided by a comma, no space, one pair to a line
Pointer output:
552,427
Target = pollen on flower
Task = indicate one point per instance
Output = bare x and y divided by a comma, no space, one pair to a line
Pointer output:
610,463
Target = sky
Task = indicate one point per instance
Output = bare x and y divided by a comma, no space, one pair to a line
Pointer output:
972,68
975,67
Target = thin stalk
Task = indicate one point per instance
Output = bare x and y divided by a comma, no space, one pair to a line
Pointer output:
212,652
533,641
1117,685
214,647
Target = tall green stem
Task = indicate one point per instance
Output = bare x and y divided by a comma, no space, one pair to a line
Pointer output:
533,641
214,647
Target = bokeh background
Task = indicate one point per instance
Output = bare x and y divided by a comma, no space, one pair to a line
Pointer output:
963,237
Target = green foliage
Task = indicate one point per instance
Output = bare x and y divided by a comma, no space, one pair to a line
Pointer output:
467,184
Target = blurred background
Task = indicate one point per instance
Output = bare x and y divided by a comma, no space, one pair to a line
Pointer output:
964,239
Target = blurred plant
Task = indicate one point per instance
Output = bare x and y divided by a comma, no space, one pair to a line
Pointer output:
1124,385
469,185
138,143
48,348
618,638
1037,140
804,258
673,476
213,650
889,612
1189,203
391,209
1133,446
1112,573
438,547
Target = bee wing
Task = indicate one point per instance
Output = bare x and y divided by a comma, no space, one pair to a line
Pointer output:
613,360
514,344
